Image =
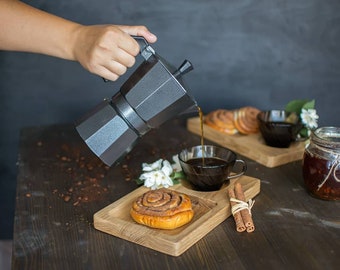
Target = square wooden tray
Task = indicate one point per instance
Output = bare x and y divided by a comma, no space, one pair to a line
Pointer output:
251,146
210,208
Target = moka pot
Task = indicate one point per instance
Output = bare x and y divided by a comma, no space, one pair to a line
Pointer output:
152,95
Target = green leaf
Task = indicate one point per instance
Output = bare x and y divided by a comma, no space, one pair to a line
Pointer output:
295,106
309,105
304,132
139,181
178,175
176,181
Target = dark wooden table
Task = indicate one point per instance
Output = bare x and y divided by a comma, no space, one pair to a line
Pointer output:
61,184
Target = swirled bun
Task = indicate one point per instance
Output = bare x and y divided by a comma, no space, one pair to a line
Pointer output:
162,209
222,120
242,120
245,120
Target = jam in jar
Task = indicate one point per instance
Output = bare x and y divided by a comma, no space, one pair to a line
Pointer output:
321,164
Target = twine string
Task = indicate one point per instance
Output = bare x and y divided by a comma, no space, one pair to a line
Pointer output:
241,205
333,169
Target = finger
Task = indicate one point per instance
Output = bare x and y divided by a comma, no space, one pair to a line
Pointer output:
139,30
106,74
110,71
115,40
144,32
115,68
112,64
123,57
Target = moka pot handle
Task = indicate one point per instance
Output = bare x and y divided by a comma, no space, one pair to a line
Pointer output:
145,49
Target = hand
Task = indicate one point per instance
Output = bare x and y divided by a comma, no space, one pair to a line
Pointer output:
108,50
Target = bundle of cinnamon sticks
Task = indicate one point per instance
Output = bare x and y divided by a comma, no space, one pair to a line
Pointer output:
241,209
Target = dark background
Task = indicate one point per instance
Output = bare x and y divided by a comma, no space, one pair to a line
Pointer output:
261,53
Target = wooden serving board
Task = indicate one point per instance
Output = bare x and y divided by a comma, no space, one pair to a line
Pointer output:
251,146
210,209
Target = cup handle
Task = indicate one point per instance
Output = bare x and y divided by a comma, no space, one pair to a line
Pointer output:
244,168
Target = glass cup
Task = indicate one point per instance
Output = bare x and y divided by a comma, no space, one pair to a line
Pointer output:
208,167
278,128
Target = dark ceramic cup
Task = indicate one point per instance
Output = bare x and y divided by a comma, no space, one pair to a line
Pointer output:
207,168
278,128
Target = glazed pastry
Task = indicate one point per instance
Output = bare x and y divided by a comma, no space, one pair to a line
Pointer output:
162,209
222,120
245,120
242,120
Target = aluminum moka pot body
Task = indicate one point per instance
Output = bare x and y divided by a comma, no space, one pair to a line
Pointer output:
153,94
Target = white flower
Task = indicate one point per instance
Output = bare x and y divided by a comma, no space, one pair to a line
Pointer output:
176,166
156,175
309,118
167,168
153,166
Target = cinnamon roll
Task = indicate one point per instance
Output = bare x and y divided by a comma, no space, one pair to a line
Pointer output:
245,120
242,120
222,120
162,209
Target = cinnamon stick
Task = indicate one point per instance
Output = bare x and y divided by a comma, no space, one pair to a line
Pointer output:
240,227
245,213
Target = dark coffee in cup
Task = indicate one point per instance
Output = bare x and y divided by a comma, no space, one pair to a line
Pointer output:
208,167
203,173
279,128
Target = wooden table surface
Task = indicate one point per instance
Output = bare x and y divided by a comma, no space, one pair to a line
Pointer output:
61,184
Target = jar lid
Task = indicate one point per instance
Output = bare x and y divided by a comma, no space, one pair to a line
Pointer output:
327,137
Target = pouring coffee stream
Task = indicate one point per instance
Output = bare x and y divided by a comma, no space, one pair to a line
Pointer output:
152,95
200,113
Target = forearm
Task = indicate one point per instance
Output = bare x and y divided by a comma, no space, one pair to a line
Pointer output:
39,32
105,50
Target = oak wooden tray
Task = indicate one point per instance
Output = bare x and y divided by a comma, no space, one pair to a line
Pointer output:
251,146
210,208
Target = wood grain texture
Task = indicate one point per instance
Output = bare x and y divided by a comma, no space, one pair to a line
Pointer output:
251,146
210,208
293,229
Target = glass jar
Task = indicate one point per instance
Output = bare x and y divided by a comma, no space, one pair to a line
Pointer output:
321,163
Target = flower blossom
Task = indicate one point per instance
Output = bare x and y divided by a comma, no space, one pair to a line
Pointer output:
157,165
176,166
157,174
309,118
